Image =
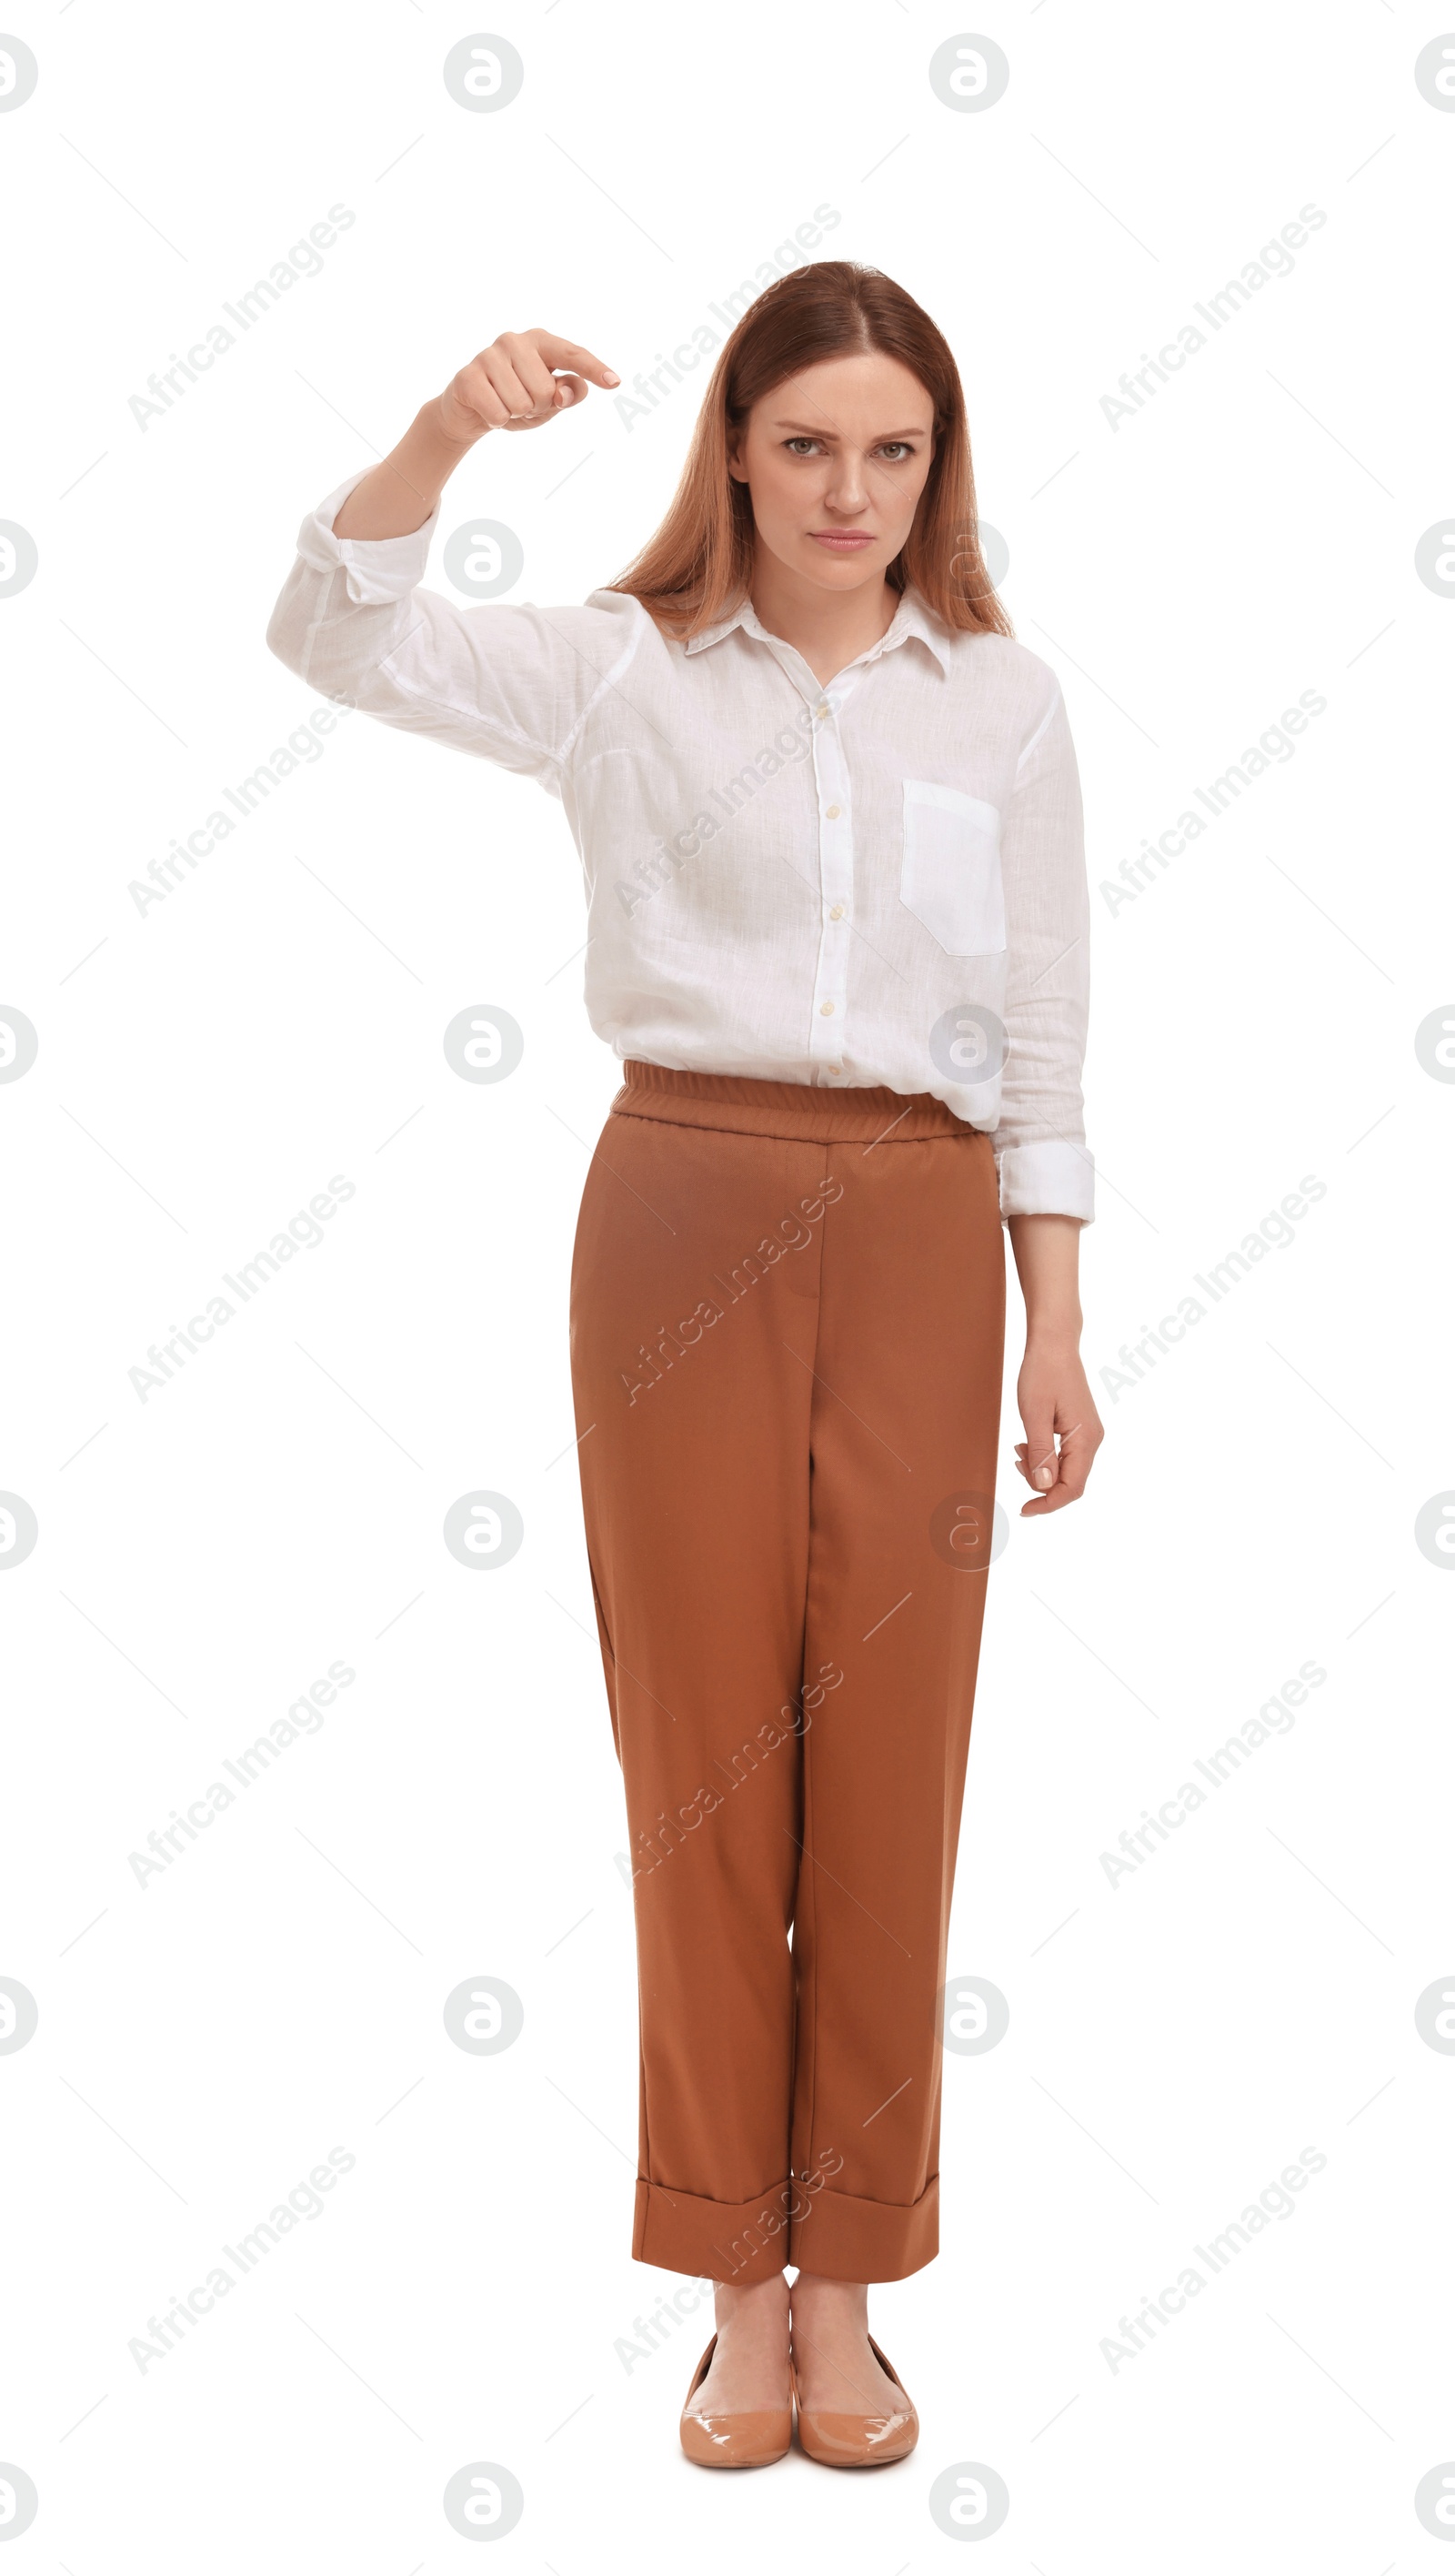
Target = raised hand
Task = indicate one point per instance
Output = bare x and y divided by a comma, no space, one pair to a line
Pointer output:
521,380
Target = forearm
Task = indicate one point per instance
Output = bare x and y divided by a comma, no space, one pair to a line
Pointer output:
1047,1255
1055,1401
400,493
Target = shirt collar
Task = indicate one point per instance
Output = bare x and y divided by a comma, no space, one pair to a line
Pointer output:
911,617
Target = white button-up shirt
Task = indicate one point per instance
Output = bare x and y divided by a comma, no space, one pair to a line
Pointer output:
875,880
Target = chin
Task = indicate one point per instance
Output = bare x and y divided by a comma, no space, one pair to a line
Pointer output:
843,572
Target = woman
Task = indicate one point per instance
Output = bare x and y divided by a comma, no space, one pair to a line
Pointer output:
830,826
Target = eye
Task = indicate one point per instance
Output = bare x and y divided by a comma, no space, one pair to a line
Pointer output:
800,446
896,449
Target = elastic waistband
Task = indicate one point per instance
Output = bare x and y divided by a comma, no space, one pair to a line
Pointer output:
747,1107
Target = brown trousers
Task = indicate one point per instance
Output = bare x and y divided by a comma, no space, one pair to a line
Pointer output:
787,1315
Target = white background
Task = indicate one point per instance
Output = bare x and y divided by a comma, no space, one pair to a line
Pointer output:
205,1067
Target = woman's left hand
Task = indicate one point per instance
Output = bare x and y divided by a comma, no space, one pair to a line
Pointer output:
1055,1406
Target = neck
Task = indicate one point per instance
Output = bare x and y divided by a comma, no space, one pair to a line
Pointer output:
828,627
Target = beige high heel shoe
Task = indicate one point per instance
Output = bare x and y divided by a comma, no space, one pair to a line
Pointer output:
839,2441
753,2439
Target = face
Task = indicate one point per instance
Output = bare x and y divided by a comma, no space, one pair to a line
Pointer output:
835,459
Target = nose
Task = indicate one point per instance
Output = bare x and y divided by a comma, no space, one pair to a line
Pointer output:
848,490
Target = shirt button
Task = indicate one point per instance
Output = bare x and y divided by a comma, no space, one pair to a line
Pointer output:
832,812
837,912
836,1068
822,709
826,1010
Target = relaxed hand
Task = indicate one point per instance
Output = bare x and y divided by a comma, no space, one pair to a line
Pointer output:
1055,1406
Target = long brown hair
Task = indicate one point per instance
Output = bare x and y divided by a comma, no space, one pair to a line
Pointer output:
699,564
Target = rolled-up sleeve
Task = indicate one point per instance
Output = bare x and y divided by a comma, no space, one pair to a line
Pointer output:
1040,1140
510,684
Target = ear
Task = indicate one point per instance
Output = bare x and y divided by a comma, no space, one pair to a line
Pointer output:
736,468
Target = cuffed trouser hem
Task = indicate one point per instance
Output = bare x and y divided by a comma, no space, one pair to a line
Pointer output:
820,2230
865,2240
728,2241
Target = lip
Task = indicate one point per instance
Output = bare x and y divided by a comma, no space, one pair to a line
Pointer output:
845,541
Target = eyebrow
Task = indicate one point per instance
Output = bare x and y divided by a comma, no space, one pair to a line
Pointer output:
801,430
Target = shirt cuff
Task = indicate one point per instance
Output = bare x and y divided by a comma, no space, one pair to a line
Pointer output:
1052,1178
379,569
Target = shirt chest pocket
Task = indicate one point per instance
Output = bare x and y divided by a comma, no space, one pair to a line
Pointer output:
949,875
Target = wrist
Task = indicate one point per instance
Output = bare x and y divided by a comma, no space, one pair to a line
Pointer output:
457,444
1057,1331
